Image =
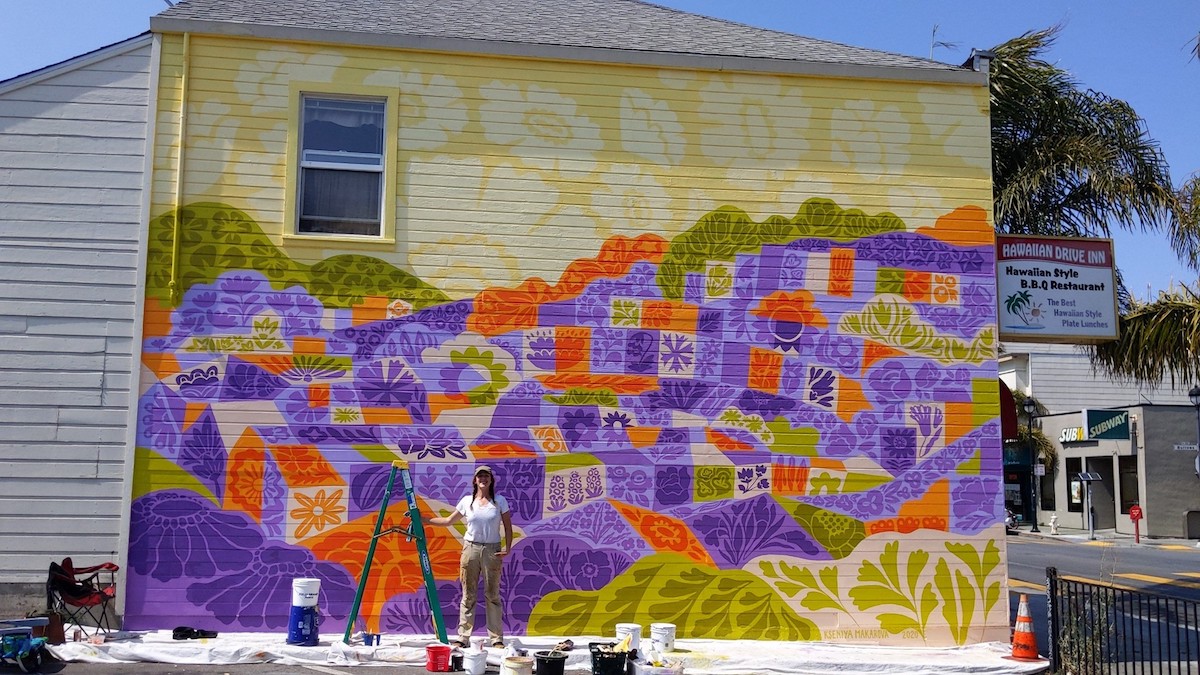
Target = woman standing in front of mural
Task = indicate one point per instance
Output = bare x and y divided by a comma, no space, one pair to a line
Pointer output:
484,512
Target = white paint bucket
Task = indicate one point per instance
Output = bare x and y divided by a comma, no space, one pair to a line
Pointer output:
662,636
475,662
305,592
477,643
634,629
516,665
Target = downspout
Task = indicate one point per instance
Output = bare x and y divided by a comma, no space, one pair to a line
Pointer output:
177,225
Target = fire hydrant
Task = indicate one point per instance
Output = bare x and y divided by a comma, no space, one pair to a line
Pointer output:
1053,523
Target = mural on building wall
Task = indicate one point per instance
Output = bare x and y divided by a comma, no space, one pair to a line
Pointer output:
780,429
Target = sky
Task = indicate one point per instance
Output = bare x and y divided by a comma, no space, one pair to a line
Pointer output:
1131,50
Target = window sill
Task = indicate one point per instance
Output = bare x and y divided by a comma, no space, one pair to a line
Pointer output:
337,239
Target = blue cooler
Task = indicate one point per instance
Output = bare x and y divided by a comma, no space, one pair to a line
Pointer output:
304,619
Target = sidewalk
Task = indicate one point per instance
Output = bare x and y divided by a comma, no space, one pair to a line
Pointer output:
1106,537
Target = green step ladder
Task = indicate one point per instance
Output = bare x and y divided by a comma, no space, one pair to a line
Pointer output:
415,531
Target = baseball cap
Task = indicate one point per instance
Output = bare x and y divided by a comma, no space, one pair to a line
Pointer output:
481,468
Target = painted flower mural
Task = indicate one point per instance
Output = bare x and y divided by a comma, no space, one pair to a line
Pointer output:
679,416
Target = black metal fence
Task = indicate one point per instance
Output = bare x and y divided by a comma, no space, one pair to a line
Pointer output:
1100,629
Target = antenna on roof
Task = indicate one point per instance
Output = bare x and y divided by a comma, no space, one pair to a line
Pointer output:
934,42
169,3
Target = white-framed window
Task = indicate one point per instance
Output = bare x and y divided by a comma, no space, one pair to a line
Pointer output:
340,188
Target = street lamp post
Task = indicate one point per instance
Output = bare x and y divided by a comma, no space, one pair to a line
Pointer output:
1030,407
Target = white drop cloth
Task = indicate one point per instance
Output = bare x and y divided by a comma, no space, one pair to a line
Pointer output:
699,657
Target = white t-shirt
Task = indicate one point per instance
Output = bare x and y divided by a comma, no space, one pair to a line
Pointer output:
483,523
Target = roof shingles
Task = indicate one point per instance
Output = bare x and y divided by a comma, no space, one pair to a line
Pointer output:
630,25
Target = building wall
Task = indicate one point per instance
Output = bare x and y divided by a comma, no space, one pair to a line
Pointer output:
1168,489
1062,379
72,148
727,341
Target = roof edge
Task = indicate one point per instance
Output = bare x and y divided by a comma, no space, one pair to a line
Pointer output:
80,61
951,75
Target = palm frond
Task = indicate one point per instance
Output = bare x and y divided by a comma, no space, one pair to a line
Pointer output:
1069,161
1158,339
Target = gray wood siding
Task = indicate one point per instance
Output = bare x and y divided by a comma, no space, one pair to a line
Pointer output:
1061,378
72,157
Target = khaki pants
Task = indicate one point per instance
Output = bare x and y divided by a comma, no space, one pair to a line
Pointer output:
478,558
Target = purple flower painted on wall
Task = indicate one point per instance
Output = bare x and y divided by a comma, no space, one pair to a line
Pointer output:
246,381
388,384
678,353
579,425
672,485
176,534
199,384
263,598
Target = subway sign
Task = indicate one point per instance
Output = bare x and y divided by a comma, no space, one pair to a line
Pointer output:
1098,425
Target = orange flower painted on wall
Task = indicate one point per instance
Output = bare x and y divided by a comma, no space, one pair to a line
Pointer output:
317,511
787,313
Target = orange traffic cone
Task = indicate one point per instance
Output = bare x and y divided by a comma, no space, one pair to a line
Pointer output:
1024,641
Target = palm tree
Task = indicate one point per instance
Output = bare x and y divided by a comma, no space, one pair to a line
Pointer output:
1160,338
1068,161
1073,162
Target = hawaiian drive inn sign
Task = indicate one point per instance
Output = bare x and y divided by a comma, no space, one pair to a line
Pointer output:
1055,289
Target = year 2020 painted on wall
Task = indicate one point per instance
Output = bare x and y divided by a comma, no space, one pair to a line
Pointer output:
775,428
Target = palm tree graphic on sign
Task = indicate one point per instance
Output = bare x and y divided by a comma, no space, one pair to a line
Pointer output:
1021,304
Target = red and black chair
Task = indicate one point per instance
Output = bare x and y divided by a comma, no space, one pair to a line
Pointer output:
82,593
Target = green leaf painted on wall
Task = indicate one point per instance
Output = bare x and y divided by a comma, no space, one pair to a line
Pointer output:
216,238
722,234
889,280
713,483
720,281
818,595
701,601
981,568
892,321
891,583
958,600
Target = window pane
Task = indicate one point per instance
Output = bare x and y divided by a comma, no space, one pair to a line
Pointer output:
345,126
346,202
1075,487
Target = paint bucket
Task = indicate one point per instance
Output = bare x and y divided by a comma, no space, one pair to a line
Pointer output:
516,665
477,643
662,636
607,663
305,592
437,658
634,629
550,663
475,663
302,626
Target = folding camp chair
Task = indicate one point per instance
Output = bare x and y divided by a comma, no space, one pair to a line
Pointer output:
79,593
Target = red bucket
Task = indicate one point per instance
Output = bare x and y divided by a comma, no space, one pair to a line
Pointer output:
437,658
